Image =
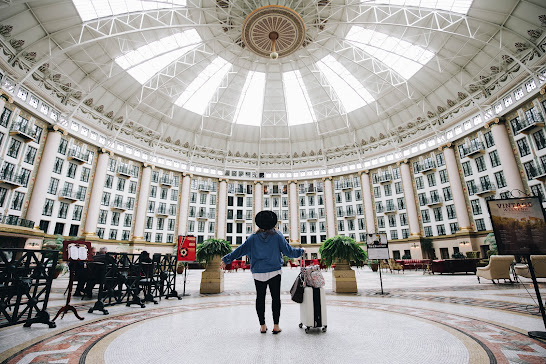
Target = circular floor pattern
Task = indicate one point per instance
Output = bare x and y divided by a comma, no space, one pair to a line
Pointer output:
212,331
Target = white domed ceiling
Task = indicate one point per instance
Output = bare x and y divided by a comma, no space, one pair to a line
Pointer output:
177,77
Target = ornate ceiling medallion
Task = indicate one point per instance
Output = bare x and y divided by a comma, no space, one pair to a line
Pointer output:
273,29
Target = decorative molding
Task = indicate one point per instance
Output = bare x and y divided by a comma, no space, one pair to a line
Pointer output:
490,123
445,146
4,93
57,128
146,165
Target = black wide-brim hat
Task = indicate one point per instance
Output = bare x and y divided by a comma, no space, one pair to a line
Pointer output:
266,220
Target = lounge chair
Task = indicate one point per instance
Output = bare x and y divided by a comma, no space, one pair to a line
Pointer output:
498,268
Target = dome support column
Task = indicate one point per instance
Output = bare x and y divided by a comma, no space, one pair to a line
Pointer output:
329,205
142,202
506,156
368,201
222,207
409,195
46,163
184,204
258,200
456,188
93,207
294,212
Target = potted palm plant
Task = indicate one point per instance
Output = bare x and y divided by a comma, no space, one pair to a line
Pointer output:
341,250
211,252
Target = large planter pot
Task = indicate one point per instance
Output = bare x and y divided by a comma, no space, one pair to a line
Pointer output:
374,266
212,279
343,278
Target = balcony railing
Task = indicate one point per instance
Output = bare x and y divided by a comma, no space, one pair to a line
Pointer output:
540,172
70,195
275,190
27,132
239,191
16,221
310,190
384,177
485,188
379,208
11,179
350,213
124,170
390,209
119,205
526,125
312,215
205,187
426,166
166,180
473,149
162,211
434,200
78,156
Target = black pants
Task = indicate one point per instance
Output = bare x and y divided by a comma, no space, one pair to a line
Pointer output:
275,290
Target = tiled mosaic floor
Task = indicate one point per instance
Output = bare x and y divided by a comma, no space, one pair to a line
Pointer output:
424,319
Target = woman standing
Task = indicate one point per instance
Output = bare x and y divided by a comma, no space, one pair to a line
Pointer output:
264,249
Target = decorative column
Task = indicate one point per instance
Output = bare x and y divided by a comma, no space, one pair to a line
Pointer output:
294,211
456,188
93,207
259,200
409,195
331,227
184,204
142,202
222,209
3,100
368,201
46,163
506,155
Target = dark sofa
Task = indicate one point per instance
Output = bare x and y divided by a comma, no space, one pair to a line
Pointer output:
454,266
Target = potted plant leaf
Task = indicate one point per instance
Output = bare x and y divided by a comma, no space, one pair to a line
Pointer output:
341,250
211,252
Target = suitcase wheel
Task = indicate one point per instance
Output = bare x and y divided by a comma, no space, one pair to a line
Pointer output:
306,330
324,328
301,325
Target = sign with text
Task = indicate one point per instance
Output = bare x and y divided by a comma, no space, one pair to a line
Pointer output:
77,250
186,248
518,224
378,247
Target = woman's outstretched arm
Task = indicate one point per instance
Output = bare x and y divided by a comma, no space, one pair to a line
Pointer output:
237,253
288,250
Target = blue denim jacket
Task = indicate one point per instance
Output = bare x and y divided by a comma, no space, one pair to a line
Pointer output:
264,250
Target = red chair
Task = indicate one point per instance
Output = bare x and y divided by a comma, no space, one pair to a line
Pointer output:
244,265
292,264
235,264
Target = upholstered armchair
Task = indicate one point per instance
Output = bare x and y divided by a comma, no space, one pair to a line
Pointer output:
498,268
395,266
539,265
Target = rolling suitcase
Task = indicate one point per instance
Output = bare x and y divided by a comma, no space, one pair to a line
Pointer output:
313,309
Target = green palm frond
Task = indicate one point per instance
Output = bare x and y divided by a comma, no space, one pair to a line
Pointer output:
342,248
210,248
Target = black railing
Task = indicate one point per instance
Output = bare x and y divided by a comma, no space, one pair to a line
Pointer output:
16,221
25,285
123,278
12,178
77,154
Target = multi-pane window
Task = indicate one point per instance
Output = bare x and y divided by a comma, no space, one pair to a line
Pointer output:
480,163
451,212
121,184
153,191
30,155
48,207
113,234
388,190
14,147
425,215
127,220
401,203
114,220
419,183
398,187
171,223
454,227
105,200
530,169
112,165
523,147
440,161
132,187
17,201
109,181
501,181
71,172
62,146
403,219
441,229
428,231
161,223
77,213
174,195
58,166
422,199
467,168
381,221
476,207
438,216
4,119
149,222
100,233
494,156
536,190
540,139
103,215
443,176
130,203
392,220
377,192
151,206
471,187
84,177
3,194
53,185
480,224
63,210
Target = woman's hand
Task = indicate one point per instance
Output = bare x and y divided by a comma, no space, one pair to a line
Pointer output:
223,265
